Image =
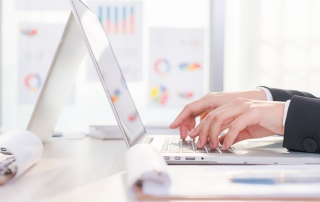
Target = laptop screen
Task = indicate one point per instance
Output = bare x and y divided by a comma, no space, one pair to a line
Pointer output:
110,74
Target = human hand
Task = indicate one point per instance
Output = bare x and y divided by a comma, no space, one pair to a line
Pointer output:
186,119
245,119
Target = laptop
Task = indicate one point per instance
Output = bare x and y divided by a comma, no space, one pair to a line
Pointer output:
84,33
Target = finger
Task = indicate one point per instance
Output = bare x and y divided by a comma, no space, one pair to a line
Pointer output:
243,135
191,110
187,126
183,132
221,139
192,124
203,136
203,115
194,133
210,117
224,118
250,117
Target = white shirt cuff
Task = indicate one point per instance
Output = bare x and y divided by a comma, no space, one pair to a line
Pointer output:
285,112
268,93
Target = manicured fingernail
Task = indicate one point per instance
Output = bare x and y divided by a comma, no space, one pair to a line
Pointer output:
198,144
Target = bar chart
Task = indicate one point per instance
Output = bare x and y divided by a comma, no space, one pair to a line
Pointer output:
122,21
117,19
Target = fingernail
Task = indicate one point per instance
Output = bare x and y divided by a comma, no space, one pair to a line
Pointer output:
223,147
198,143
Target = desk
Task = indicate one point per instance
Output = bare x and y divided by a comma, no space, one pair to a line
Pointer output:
69,170
73,171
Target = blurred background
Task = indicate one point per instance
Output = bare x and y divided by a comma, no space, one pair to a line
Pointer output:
171,52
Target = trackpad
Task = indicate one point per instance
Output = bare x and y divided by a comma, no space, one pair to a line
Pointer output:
263,145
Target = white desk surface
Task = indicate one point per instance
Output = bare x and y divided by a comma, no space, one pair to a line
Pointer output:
73,170
70,170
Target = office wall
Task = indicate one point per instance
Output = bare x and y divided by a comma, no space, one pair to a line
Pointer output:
89,104
273,43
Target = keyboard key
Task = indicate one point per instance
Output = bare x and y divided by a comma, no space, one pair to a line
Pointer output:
213,151
174,149
187,150
175,140
164,149
166,141
175,144
177,157
203,150
147,140
229,151
187,146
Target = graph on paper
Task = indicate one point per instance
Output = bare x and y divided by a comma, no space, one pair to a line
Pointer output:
117,19
176,58
37,43
122,21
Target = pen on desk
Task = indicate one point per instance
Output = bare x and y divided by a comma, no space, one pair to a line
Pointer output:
267,176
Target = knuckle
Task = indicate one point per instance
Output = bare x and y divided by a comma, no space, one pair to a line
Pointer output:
187,107
239,100
209,102
217,118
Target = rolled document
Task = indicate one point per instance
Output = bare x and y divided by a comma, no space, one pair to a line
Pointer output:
25,147
146,167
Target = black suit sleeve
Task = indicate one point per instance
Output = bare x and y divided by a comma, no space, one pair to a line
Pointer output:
302,127
284,95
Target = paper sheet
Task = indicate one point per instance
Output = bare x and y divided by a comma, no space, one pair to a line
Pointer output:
144,163
122,21
176,66
37,45
212,181
25,146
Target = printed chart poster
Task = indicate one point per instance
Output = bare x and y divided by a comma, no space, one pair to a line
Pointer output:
43,5
122,21
176,66
37,45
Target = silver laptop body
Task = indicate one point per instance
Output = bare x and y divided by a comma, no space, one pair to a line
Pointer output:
84,31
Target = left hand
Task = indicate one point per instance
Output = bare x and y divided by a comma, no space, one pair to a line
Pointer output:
245,119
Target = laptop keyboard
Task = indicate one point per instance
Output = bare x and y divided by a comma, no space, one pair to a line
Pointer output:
176,145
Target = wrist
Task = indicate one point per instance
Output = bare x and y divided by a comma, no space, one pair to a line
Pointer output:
255,94
281,110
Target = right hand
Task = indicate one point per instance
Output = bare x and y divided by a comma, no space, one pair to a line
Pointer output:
186,119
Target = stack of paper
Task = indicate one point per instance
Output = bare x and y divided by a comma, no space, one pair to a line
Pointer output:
143,161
